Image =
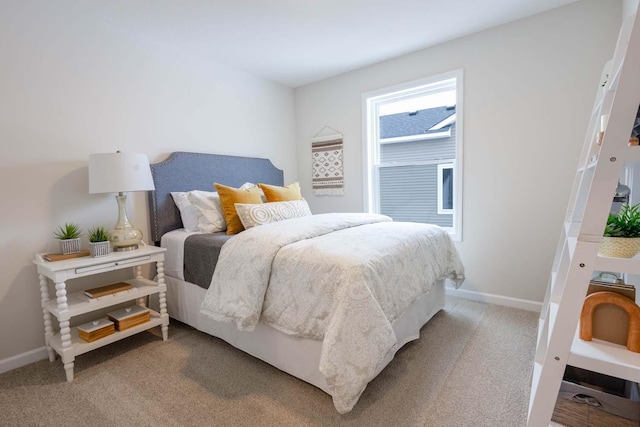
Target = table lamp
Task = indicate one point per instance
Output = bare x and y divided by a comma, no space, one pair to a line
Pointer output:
118,173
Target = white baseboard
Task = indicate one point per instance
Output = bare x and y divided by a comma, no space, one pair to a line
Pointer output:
23,359
522,304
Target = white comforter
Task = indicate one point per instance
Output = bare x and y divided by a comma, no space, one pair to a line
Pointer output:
342,278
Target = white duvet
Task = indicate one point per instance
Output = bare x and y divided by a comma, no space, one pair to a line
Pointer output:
340,278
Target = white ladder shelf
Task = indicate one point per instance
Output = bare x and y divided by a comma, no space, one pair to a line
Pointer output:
577,257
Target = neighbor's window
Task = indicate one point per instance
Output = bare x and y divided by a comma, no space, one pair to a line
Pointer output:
445,189
413,152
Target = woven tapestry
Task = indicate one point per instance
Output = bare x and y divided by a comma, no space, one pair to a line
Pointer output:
328,173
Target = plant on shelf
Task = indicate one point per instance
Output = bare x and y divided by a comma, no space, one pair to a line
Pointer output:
98,234
621,237
99,241
68,231
69,237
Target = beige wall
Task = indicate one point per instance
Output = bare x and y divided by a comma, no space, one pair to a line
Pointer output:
529,87
70,88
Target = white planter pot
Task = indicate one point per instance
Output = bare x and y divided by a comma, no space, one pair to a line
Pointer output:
70,246
99,249
619,247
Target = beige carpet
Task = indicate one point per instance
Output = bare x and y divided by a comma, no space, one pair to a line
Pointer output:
471,367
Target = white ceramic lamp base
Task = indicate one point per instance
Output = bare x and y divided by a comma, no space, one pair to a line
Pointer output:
124,237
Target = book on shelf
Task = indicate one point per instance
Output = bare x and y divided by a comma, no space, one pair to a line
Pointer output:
626,289
59,257
107,290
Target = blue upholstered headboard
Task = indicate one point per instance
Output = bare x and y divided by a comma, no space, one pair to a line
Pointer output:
184,171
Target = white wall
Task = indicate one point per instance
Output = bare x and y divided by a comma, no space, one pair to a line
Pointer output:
629,7
69,88
529,87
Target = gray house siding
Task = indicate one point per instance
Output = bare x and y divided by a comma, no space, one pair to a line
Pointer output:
403,152
409,192
414,202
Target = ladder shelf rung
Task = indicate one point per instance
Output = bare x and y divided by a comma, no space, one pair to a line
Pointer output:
628,152
618,265
604,357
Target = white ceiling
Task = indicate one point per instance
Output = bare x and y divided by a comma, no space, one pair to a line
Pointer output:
295,42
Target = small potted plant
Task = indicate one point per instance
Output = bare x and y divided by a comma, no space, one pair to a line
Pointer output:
99,244
621,237
69,237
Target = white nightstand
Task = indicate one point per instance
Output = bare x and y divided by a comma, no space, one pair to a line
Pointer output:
66,343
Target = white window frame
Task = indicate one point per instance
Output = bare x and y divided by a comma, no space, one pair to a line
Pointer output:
440,192
371,102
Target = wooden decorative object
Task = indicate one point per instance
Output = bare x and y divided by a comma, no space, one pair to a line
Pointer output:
107,290
60,257
129,317
95,330
610,322
631,308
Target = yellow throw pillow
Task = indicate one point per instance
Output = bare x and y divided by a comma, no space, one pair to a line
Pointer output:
229,196
273,193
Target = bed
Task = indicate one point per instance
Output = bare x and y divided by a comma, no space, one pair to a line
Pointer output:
338,349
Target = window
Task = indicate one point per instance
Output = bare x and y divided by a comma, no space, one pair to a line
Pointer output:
445,189
413,151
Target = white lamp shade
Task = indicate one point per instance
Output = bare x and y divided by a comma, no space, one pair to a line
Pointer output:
119,172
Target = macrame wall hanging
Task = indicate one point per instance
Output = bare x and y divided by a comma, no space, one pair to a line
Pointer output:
327,155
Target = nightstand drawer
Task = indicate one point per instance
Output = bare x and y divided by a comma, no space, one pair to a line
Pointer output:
108,265
95,267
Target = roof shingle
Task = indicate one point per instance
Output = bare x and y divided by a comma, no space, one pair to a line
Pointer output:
414,123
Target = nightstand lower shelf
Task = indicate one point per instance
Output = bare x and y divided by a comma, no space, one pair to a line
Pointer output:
79,346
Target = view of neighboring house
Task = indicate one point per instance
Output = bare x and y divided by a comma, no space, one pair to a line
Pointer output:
417,150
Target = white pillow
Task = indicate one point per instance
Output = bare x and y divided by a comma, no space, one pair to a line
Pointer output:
211,218
188,212
252,215
248,185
